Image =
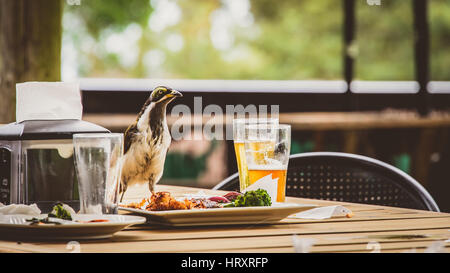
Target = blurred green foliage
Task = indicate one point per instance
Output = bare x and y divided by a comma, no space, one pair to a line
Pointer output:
184,165
258,39
385,42
439,18
101,14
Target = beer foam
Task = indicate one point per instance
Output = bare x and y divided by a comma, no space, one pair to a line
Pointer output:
271,167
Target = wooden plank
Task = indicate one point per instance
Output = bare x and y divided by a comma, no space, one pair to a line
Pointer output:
251,250
142,236
303,228
306,120
335,229
363,216
123,242
383,247
350,242
402,250
21,247
364,247
290,249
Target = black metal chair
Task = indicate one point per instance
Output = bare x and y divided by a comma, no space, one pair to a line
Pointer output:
348,178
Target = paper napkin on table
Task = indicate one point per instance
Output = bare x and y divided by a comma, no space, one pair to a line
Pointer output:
323,213
19,209
48,100
265,183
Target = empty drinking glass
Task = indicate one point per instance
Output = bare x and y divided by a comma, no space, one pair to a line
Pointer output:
98,167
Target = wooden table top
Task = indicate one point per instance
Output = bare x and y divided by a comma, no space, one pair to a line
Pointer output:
371,228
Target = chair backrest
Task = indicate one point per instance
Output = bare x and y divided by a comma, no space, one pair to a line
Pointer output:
349,178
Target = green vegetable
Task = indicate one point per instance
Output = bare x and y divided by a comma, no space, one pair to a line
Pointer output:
255,198
59,212
36,221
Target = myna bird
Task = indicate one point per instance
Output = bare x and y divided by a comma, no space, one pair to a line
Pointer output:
147,140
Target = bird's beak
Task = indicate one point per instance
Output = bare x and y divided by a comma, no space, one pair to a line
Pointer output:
174,93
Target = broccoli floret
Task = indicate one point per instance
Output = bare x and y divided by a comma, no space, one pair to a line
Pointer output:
255,198
59,212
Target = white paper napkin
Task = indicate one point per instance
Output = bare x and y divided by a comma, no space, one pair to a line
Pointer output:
323,213
266,183
48,101
19,209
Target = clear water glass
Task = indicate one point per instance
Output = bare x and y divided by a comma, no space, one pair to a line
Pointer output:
98,167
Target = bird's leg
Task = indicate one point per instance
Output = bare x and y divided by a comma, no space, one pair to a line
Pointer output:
122,189
121,197
151,184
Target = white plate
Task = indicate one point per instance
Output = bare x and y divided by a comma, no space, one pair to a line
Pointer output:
222,216
16,226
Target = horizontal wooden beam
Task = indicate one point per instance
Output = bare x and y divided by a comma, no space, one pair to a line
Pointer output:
301,121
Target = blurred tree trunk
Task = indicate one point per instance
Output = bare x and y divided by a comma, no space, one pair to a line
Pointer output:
30,47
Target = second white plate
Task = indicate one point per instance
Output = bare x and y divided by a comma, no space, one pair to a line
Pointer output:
222,216
16,226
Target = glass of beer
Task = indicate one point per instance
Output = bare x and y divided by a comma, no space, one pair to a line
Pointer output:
267,149
238,139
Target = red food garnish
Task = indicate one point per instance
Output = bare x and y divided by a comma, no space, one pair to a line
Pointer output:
98,220
232,195
219,199
93,221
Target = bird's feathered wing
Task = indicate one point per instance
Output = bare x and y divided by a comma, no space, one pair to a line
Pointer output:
146,142
132,130
130,134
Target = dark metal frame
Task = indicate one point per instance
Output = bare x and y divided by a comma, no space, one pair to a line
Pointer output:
422,53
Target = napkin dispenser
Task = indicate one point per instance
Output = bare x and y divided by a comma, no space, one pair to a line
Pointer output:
36,151
37,161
